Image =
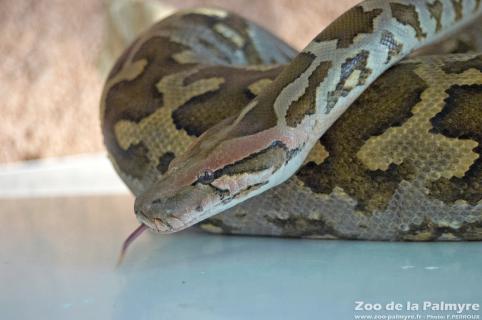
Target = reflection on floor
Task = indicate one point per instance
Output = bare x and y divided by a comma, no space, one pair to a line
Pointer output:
58,258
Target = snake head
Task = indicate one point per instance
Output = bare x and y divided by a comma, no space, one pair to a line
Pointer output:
219,171
170,206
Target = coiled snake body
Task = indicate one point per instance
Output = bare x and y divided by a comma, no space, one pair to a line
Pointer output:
207,113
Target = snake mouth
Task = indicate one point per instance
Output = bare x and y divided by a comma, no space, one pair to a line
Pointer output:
155,224
162,227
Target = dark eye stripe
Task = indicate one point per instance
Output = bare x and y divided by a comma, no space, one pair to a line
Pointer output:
275,154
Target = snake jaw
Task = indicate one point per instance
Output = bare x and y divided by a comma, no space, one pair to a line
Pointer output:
155,224
169,206
162,227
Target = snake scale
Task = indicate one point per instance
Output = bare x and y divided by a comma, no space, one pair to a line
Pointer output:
212,120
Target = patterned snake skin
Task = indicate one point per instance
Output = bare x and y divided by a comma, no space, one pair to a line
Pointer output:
403,162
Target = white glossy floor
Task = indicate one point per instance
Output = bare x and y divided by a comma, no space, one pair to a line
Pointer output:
58,255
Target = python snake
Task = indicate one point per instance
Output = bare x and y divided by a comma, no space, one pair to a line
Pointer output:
210,119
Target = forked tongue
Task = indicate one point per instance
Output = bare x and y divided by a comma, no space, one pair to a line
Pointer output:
133,236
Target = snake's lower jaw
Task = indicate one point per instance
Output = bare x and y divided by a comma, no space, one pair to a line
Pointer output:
153,224
144,214
164,226
166,208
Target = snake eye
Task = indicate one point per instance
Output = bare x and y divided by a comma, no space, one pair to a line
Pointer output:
206,177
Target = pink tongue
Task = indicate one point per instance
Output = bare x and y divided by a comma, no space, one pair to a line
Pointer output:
133,236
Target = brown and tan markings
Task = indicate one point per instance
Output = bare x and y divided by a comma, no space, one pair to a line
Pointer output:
429,231
135,99
306,104
458,9
230,30
227,31
164,161
394,47
351,24
436,10
354,72
230,34
157,75
462,66
224,39
204,111
404,162
413,216
123,59
292,225
255,88
130,132
452,154
408,15
260,161
263,116
461,118
372,189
